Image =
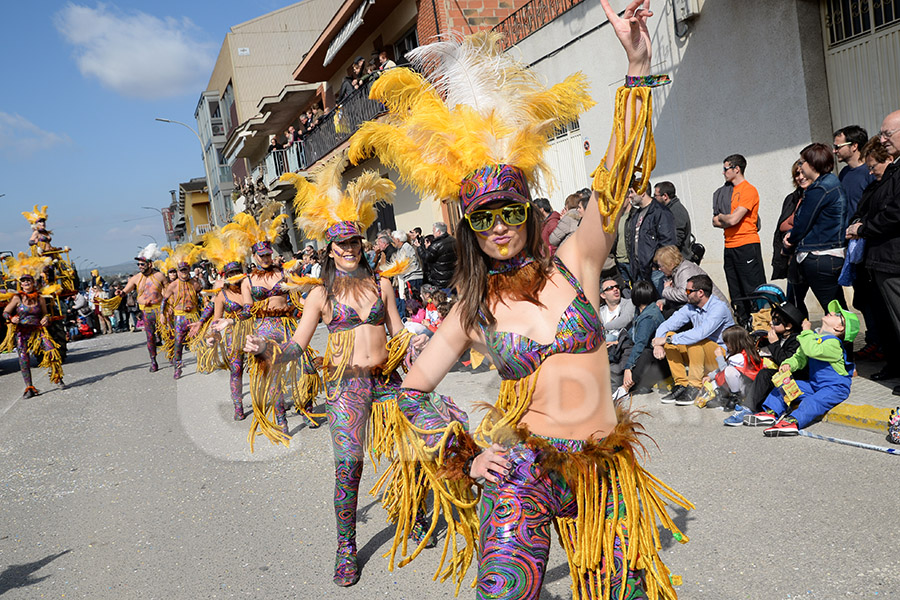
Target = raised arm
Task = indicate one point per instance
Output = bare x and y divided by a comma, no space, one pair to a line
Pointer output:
131,285
596,234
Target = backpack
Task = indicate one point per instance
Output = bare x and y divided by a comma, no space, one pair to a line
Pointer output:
893,435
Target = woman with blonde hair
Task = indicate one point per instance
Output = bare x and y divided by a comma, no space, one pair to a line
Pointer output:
678,270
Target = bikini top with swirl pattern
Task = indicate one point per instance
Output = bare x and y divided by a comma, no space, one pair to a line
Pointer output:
579,331
344,317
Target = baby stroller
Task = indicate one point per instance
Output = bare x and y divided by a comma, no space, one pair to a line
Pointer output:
761,299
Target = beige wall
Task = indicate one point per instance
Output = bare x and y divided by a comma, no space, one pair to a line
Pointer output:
276,44
748,78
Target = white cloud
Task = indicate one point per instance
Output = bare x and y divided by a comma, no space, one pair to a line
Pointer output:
19,137
137,55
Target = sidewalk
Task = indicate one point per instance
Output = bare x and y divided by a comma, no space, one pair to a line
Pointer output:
870,403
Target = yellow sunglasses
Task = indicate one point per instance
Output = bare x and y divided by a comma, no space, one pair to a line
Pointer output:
512,214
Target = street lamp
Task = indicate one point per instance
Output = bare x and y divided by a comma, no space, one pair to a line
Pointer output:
212,201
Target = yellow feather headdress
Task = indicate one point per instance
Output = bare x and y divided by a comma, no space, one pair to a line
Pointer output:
327,211
185,254
223,250
24,265
246,232
36,215
475,124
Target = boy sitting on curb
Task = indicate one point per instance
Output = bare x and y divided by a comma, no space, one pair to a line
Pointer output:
829,375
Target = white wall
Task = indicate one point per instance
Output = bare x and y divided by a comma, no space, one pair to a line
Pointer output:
748,78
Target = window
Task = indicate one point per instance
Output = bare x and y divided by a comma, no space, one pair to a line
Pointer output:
407,42
847,19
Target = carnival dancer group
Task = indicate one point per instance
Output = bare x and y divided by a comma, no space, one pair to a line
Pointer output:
469,127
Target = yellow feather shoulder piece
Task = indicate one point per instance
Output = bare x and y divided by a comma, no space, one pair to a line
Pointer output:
396,267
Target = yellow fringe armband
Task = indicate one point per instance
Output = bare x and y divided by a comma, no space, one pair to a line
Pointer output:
612,185
261,372
513,402
397,348
414,474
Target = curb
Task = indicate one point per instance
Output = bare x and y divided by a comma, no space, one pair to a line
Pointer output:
861,416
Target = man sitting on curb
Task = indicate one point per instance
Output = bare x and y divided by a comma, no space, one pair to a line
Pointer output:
691,353
829,375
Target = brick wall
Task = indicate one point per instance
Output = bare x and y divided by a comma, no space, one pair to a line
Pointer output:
462,16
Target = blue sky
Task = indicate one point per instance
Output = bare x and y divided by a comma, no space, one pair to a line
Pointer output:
82,84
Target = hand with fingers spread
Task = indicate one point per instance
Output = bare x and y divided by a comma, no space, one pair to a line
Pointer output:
490,463
631,29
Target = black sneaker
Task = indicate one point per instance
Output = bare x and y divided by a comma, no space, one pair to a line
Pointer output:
687,397
718,402
673,395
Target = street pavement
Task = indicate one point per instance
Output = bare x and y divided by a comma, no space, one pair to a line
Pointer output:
128,484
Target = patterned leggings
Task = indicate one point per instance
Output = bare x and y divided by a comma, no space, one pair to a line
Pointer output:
235,359
348,415
150,316
515,516
23,333
182,323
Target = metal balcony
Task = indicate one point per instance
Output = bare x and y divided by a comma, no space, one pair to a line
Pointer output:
337,126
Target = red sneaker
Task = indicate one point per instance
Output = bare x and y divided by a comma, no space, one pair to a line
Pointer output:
760,419
783,428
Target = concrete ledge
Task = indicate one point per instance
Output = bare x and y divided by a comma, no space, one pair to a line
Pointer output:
862,416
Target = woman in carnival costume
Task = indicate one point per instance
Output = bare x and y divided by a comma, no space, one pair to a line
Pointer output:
182,297
356,305
27,319
555,448
41,236
275,311
230,314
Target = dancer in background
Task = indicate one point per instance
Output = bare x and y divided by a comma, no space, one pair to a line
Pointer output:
230,314
182,297
275,313
358,307
27,319
149,284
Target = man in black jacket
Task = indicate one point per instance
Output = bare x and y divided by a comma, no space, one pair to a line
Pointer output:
880,227
664,193
649,227
440,257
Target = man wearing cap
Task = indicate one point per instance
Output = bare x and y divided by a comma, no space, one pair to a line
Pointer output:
182,295
149,284
829,375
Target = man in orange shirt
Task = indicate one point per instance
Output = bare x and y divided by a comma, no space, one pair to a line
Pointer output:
744,270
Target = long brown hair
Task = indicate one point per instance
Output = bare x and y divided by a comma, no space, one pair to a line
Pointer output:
737,340
472,276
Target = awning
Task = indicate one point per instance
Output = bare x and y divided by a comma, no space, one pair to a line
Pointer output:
346,31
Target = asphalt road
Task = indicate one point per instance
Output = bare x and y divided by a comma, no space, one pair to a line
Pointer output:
127,484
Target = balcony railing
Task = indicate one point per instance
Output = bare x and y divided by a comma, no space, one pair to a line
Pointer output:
530,18
337,126
278,162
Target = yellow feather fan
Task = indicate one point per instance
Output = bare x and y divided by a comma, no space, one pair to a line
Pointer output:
27,265
396,266
475,106
36,215
322,203
246,231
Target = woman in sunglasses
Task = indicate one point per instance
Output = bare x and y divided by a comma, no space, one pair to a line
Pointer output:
555,449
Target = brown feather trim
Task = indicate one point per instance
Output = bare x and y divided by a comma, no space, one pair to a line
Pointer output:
459,451
522,284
